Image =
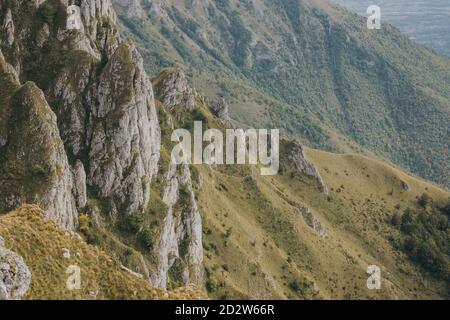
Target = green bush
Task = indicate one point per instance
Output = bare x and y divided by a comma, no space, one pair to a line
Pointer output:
157,206
131,223
424,200
295,286
212,284
197,115
84,222
146,239
424,238
47,11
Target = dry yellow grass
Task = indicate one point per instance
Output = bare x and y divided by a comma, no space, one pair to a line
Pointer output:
258,246
40,242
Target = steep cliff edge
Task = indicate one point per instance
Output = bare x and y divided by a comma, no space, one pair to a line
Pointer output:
103,101
79,130
179,248
34,167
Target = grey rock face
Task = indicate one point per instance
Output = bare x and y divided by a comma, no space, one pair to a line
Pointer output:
133,273
180,243
79,177
71,111
35,167
114,120
174,91
306,215
106,116
126,139
92,10
220,109
15,277
8,27
103,113
9,82
312,221
94,14
296,156
405,186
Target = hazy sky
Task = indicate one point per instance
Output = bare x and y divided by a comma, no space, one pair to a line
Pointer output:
426,21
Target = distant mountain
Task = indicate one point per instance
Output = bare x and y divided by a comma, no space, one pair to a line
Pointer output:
310,68
425,21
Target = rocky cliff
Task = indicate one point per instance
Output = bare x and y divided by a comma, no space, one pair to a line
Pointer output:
34,166
79,126
98,95
179,249
295,154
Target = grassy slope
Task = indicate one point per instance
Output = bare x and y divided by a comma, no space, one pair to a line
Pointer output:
41,242
271,253
257,246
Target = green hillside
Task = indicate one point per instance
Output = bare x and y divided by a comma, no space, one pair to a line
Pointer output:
312,69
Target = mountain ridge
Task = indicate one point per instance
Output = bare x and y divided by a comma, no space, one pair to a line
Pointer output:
344,87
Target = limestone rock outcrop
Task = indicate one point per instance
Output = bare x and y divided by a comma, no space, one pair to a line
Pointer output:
105,117
306,215
8,28
296,156
92,132
220,109
172,88
15,277
34,167
180,244
79,184
125,145
312,221
405,186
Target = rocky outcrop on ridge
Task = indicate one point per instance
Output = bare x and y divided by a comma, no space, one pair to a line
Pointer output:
180,244
179,248
296,156
126,138
15,277
220,109
173,90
